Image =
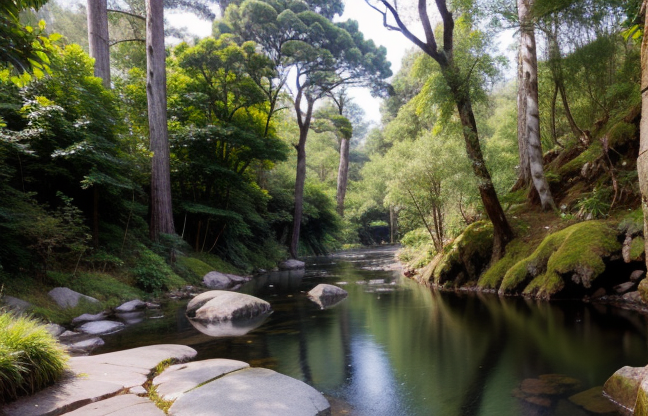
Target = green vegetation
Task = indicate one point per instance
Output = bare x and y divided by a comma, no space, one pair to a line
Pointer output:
30,358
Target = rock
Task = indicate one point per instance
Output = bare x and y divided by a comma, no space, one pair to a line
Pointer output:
122,405
15,304
327,296
625,250
643,290
86,345
252,392
220,305
55,329
180,378
151,305
131,318
632,297
222,281
131,306
549,384
101,327
87,317
69,334
623,385
637,275
599,293
234,328
593,401
292,264
138,390
68,298
623,287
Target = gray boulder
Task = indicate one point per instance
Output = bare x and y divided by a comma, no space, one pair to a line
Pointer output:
15,304
85,346
131,306
68,298
632,297
637,275
55,329
327,296
252,392
220,305
101,327
623,287
292,264
222,281
88,317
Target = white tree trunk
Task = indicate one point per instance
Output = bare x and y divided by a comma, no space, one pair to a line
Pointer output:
642,160
161,211
98,39
532,116
524,174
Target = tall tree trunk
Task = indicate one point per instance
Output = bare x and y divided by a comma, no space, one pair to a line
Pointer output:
532,116
392,224
524,172
98,39
642,160
300,178
502,232
343,173
161,210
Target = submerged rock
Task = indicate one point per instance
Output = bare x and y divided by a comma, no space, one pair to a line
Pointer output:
542,391
593,401
220,305
68,298
327,296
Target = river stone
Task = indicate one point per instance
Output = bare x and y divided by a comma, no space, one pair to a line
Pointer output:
217,280
55,329
131,306
623,385
633,297
327,295
252,392
101,327
88,317
68,298
292,264
15,304
221,305
131,318
643,290
623,287
593,401
180,378
549,385
122,405
637,275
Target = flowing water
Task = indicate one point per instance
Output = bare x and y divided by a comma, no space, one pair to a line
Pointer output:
394,348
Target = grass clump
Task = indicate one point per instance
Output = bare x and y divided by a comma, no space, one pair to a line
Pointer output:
218,264
577,251
30,357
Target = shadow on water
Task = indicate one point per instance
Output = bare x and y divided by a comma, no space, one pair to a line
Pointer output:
396,348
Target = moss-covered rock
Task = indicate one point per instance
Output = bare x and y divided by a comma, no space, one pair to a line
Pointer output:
464,259
637,249
516,250
622,387
197,268
576,252
643,290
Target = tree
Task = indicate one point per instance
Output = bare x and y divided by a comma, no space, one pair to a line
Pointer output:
455,80
161,210
642,160
98,39
345,138
528,107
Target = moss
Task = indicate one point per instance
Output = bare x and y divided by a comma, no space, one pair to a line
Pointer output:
637,248
577,251
641,406
468,253
621,133
217,263
516,250
196,268
633,222
643,291
593,152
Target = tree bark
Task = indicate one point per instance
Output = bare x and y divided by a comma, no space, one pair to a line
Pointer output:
98,39
300,178
524,172
343,173
642,160
532,113
161,208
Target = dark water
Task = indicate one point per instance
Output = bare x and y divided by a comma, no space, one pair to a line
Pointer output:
396,348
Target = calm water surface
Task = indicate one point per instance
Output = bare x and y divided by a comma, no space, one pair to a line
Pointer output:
394,348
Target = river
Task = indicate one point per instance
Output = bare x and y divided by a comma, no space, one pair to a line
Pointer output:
395,348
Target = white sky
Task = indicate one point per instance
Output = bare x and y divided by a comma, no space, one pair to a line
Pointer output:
370,23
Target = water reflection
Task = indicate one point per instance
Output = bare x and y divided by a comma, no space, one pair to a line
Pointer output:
404,350
234,328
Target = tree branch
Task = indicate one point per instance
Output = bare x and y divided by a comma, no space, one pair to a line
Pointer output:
137,16
448,25
127,40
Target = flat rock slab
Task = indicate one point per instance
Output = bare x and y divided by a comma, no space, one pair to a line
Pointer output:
180,378
252,392
101,327
68,395
122,405
88,317
221,305
131,306
143,358
68,298
292,264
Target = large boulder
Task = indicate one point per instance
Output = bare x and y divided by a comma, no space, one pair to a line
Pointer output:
131,306
221,305
623,386
15,304
252,392
292,264
326,295
222,281
68,298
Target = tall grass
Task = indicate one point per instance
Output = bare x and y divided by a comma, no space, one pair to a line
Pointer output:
30,357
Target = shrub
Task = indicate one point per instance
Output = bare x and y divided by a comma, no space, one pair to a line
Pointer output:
30,357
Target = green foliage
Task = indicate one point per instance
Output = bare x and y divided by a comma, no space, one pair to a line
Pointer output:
595,205
516,250
632,223
30,357
153,274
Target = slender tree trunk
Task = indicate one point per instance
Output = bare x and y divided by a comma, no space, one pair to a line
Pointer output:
642,160
98,39
300,178
161,209
392,224
524,172
532,116
502,232
343,173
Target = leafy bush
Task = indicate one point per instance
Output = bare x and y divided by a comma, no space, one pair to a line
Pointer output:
30,357
596,205
153,274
